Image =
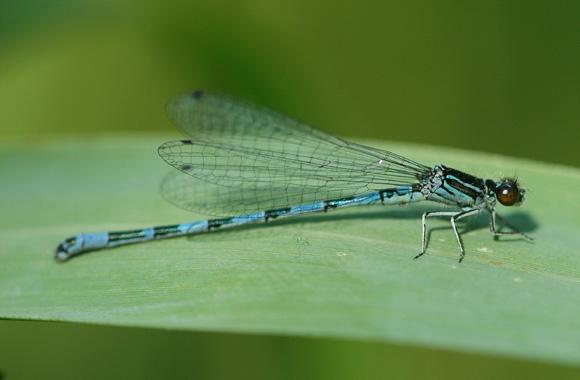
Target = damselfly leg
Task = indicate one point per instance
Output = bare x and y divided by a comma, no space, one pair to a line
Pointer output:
455,216
514,230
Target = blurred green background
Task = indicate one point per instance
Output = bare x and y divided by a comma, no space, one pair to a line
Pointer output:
497,76
44,350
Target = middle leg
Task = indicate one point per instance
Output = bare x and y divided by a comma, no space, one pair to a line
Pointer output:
424,227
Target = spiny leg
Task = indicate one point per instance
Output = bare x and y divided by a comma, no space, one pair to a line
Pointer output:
424,227
515,231
455,218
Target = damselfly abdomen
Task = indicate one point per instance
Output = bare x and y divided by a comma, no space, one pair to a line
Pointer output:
258,165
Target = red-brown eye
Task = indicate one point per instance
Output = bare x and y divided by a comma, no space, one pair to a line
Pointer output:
507,193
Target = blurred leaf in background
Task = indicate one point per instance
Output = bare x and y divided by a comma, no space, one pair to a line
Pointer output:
71,351
499,76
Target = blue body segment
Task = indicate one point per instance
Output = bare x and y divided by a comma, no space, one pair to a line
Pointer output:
309,207
191,228
100,240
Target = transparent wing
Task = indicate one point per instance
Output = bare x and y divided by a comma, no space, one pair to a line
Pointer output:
245,158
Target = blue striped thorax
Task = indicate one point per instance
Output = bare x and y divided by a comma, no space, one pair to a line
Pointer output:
454,187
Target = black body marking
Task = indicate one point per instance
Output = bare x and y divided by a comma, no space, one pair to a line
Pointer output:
490,184
334,203
475,181
217,223
125,235
273,214
159,232
464,189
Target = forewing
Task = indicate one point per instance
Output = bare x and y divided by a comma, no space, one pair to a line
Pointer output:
246,158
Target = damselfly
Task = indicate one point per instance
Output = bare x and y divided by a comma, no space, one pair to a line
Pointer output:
258,165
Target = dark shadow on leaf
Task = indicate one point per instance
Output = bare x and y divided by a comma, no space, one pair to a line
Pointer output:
521,220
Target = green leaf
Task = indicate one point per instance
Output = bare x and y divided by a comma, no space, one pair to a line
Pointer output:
346,274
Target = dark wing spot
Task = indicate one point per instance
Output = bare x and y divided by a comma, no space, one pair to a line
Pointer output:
197,94
186,167
187,142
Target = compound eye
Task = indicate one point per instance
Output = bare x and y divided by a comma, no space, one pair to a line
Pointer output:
507,193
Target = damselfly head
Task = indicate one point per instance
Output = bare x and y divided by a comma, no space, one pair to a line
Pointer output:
508,192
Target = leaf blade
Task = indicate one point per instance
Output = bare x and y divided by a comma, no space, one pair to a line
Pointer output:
342,274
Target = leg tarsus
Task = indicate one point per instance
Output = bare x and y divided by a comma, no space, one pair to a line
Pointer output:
461,249
419,255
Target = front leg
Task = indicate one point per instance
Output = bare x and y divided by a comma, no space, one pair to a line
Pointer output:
493,227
